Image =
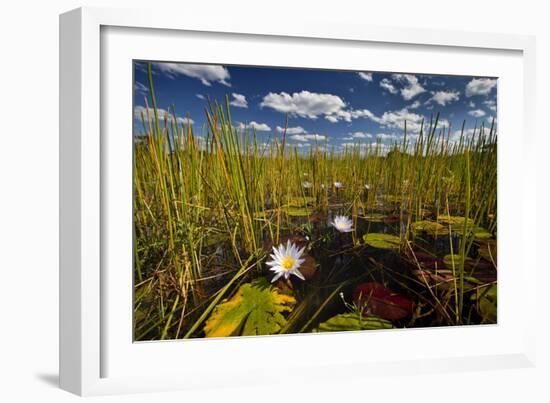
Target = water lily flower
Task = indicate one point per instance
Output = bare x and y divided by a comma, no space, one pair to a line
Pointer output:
306,184
286,261
342,223
337,185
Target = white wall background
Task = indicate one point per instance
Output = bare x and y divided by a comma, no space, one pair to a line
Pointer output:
29,201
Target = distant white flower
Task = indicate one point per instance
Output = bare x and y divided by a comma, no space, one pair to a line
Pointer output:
307,185
306,174
322,185
286,261
367,186
337,185
342,223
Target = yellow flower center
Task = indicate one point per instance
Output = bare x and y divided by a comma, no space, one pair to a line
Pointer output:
342,226
288,262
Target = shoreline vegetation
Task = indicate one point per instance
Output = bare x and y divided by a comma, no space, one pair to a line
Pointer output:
235,237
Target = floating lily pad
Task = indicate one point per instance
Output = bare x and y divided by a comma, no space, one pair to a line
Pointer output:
481,233
430,227
454,220
353,321
297,211
487,303
381,301
257,308
382,241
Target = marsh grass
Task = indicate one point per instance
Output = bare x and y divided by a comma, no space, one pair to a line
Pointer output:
208,205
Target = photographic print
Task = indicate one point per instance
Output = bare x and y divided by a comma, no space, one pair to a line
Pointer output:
273,200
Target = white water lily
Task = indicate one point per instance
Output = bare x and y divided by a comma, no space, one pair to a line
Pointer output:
342,223
337,185
286,261
307,185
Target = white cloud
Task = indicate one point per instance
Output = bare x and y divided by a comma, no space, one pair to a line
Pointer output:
291,130
162,114
445,97
414,105
365,76
388,86
141,88
480,86
472,104
239,101
412,87
308,137
477,113
386,136
491,104
361,135
397,119
304,103
206,73
259,127
200,96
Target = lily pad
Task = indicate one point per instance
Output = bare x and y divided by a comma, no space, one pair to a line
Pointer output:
374,217
382,241
481,233
430,227
353,321
487,303
454,220
375,299
297,211
257,308
457,260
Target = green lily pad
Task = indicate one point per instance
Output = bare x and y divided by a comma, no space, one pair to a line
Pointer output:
487,303
256,309
454,220
430,227
382,241
481,233
353,321
297,211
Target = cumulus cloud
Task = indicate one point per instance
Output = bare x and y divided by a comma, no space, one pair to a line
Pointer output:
365,76
259,127
480,86
304,103
414,105
477,113
238,100
162,114
388,86
308,137
491,104
206,73
411,86
291,130
445,97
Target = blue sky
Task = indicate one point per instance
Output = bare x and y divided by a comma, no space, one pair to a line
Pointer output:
337,107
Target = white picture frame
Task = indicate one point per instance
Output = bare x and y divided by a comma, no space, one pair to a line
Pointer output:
97,355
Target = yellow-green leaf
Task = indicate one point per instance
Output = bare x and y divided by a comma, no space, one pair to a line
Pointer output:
256,309
382,241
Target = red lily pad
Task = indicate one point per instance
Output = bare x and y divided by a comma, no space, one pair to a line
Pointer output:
381,301
426,260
